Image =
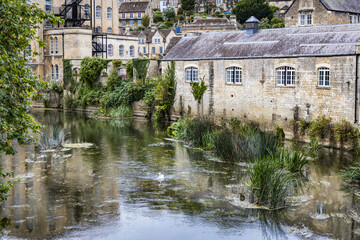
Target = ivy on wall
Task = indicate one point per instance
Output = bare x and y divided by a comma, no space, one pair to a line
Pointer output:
90,70
141,66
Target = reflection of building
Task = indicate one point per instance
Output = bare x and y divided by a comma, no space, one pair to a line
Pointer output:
322,12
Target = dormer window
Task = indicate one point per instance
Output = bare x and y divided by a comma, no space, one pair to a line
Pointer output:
306,19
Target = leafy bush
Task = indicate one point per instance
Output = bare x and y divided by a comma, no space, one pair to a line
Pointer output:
344,131
113,79
90,70
352,172
121,95
141,66
320,127
70,103
122,111
129,69
198,89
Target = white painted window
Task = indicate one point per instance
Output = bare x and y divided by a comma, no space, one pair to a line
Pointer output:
191,74
131,51
51,46
56,72
98,12
144,50
302,19
52,71
323,77
56,45
123,15
109,13
218,1
233,75
110,50
121,50
285,76
109,30
153,50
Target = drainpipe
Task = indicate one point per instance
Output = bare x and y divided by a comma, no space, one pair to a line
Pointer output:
356,85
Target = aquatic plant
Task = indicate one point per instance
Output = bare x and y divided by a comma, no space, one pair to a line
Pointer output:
293,160
320,127
122,111
52,138
270,184
225,146
352,172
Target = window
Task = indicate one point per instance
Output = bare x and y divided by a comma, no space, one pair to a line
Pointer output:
302,19
144,50
56,46
173,3
110,50
98,29
51,46
131,15
139,22
52,71
285,76
191,74
324,77
56,72
218,1
87,11
139,15
121,1
109,30
131,51
234,75
353,19
306,19
164,3
48,24
121,50
48,5
153,50
309,19
123,15
152,1
108,13
123,23
161,50
131,22
28,51
98,12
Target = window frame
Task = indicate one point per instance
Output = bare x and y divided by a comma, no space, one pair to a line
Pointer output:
191,74
56,72
121,50
286,77
52,72
132,51
98,12
234,75
56,45
109,30
51,46
323,72
109,13
110,50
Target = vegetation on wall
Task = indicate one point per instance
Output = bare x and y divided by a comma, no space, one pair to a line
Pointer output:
141,66
129,69
198,89
90,70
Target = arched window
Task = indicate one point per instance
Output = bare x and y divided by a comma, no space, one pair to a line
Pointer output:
98,12
56,72
285,76
233,75
56,45
52,71
98,29
192,74
87,11
51,46
324,80
28,51
48,5
109,13
121,50
110,50
109,30
131,51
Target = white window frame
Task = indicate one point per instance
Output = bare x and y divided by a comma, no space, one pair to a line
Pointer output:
121,50
191,74
323,77
233,75
132,51
353,19
285,76
109,13
309,19
153,50
302,19
123,16
98,12
161,50
110,50
144,50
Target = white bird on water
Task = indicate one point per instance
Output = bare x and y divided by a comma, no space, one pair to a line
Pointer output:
160,177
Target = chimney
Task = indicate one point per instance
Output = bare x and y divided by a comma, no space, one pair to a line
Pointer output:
153,27
233,20
252,25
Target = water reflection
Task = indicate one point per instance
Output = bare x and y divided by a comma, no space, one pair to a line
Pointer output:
112,190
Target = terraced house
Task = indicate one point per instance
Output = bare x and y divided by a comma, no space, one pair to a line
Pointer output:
322,12
131,13
271,76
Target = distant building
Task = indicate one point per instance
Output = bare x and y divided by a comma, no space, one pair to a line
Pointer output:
131,13
322,12
210,24
279,3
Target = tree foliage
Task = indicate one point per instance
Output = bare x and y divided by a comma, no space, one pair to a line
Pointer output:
90,70
188,5
18,25
145,21
247,8
141,66
274,23
169,14
198,89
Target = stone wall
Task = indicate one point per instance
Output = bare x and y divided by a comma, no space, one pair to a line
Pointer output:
260,99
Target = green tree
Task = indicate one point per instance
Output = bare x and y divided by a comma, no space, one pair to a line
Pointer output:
188,5
158,16
145,21
247,8
18,26
169,14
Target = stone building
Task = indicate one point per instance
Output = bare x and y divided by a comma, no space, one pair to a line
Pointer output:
210,24
131,13
322,12
279,3
270,76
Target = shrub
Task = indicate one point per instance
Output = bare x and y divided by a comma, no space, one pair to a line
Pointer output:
113,80
122,111
129,69
122,95
320,127
141,66
70,103
90,70
198,89
352,172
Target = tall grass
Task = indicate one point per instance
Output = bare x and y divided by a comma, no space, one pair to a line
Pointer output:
352,172
292,160
52,138
121,111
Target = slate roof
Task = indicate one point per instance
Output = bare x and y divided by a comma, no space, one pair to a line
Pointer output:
328,40
164,32
127,7
172,43
351,6
149,34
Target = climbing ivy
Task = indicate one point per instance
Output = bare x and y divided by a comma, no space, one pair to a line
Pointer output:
90,70
129,69
67,72
141,65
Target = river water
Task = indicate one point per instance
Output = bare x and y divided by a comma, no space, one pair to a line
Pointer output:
112,190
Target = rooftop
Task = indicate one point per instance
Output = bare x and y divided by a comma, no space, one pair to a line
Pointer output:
352,6
127,7
329,40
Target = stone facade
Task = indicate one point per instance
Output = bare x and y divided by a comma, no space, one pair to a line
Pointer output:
210,25
131,13
319,13
279,3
